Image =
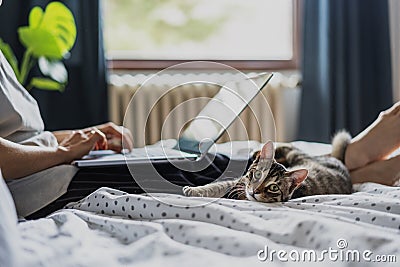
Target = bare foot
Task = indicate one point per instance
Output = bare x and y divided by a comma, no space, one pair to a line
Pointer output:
376,142
385,172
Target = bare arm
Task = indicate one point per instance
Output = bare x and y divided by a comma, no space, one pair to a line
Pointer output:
17,160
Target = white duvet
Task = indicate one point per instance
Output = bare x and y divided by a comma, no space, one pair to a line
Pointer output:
111,228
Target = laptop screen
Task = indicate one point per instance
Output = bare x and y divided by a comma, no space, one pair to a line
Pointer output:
219,113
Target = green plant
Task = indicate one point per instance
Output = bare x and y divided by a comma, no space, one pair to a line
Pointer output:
48,39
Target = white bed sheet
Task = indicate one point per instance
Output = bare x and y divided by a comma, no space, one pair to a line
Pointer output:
104,230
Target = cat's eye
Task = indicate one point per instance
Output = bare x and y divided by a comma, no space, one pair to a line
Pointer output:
257,175
273,188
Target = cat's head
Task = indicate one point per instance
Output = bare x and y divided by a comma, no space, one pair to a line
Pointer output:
268,180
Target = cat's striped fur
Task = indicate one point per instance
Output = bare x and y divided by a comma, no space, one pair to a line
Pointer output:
290,174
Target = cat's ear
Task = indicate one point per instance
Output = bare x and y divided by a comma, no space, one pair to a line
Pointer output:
298,176
267,151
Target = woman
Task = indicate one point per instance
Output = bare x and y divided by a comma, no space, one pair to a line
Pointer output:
27,149
42,158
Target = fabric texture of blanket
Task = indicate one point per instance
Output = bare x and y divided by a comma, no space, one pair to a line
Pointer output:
112,228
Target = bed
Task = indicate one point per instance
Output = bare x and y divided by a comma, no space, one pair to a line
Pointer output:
112,228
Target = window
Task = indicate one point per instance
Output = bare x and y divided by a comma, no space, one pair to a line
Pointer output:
243,33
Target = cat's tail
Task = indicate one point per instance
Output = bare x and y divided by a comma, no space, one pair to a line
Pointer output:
340,142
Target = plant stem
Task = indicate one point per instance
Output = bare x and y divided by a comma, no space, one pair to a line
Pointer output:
29,86
26,66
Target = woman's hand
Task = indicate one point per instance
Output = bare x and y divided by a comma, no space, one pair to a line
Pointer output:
80,143
118,137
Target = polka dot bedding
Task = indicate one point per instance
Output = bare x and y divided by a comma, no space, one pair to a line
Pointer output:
112,228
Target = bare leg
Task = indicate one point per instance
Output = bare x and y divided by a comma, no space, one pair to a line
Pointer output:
376,142
385,172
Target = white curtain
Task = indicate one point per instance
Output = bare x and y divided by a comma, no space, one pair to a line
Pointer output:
394,7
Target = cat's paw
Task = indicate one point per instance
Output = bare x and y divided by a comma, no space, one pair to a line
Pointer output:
281,153
190,191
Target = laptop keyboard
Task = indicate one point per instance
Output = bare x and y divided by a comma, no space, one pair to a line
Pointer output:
152,152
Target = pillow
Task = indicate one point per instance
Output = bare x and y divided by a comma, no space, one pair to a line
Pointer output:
9,235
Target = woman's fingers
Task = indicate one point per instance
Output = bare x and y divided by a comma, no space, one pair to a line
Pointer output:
114,145
97,139
127,138
74,137
78,136
79,145
117,144
117,137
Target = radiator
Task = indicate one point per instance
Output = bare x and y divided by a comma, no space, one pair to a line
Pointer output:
163,122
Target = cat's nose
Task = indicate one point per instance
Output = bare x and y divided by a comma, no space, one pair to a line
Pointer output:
252,193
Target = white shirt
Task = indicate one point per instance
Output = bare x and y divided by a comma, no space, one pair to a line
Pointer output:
21,122
20,119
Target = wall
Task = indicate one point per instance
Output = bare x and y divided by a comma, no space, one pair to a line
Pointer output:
395,46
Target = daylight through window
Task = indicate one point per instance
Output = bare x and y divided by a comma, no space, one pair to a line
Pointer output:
199,30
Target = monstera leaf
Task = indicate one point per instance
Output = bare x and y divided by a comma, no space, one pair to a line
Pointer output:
9,55
46,84
48,39
51,33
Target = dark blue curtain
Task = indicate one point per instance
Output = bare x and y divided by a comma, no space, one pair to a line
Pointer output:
84,102
346,66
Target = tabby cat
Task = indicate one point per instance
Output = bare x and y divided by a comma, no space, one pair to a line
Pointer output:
290,174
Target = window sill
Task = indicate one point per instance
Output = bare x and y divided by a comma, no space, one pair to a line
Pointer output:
126,64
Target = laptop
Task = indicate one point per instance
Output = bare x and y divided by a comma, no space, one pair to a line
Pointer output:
200,134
